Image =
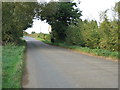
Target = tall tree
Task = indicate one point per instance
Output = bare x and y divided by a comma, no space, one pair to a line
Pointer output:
90,33
60,15
74,35
109,34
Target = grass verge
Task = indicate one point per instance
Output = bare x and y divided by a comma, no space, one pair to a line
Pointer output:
12,65
96,52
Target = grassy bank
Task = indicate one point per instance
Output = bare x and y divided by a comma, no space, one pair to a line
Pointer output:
96,52
12,65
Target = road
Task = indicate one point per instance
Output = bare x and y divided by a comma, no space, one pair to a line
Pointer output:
49,66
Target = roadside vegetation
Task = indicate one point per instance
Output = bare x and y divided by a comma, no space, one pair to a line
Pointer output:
68,30
12,65
16,17
86,50
83,35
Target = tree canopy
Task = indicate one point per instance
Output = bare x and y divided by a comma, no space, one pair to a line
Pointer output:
64,18
60,15
16,17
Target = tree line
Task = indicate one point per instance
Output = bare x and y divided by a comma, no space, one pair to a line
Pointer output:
68,27
89,34
64,18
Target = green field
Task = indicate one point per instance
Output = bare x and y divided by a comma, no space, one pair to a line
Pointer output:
12,65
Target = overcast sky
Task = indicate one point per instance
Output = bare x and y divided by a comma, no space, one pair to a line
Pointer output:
90,10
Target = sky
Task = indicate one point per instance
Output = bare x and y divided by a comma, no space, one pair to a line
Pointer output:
90,10
39,26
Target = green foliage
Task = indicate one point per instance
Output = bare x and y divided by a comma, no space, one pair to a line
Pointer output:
74,35
85,33
68,28
98,52
25,33
60,15
89,34
89,31
33,35
44,36
109,35
12,65
32,32
16,17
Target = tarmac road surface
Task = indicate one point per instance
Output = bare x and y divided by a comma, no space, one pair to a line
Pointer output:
49,66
